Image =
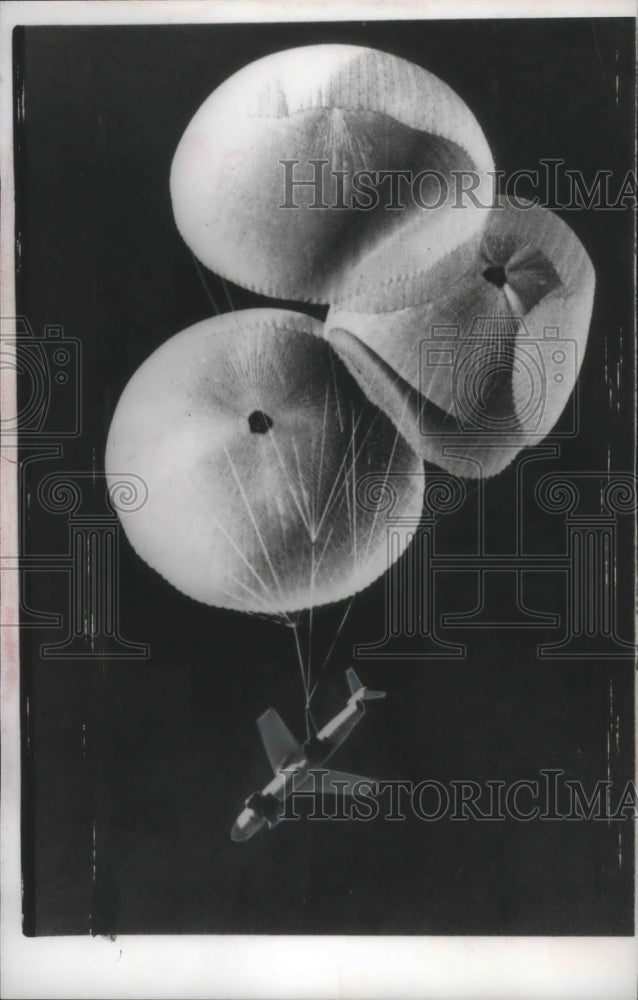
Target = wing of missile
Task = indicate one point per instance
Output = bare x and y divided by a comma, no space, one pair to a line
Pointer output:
279,743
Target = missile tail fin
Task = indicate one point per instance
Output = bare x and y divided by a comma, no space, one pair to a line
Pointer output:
355,686
369,695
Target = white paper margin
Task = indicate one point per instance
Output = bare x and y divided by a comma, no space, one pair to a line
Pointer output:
174,967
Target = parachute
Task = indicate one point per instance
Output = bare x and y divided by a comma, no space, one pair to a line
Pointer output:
262,460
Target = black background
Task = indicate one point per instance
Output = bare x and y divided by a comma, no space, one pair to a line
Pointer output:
157,756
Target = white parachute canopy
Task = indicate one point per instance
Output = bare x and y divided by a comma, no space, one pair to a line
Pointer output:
262,458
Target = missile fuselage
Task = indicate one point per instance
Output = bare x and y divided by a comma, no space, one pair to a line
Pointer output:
265,808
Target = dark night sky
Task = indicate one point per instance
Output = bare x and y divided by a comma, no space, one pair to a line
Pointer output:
158,755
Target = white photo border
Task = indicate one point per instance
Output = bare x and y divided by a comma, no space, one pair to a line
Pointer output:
145,966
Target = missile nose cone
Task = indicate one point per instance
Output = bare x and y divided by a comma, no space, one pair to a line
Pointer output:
245,826
239,833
